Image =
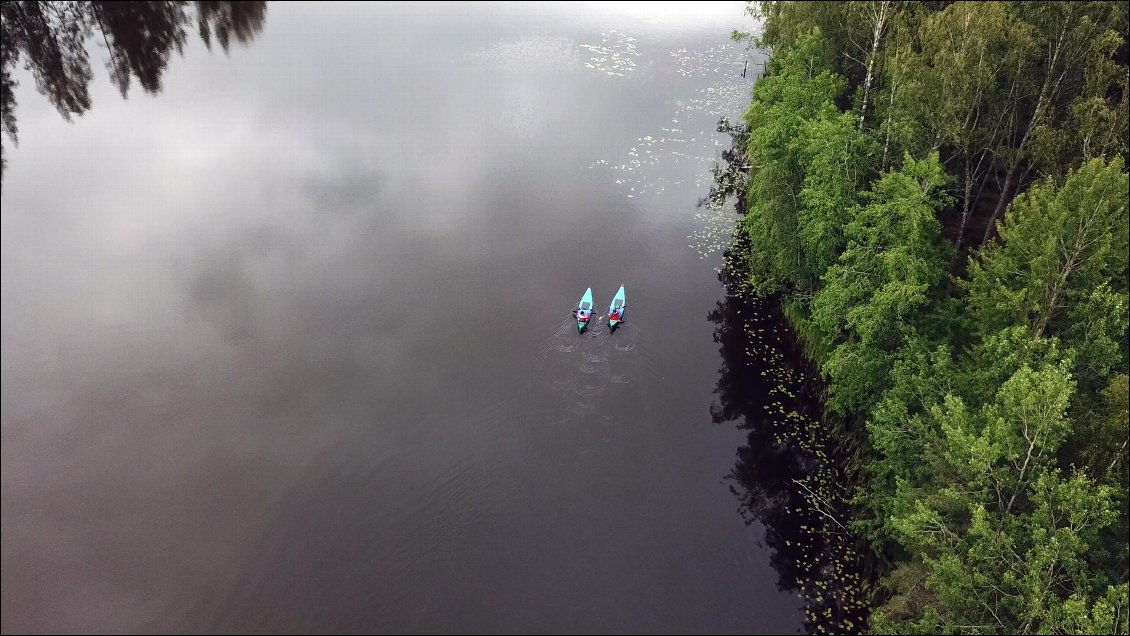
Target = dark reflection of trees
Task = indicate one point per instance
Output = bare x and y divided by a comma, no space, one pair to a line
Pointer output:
788,476
50,38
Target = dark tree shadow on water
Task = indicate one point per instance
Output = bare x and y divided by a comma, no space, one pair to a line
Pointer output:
787,477
50,39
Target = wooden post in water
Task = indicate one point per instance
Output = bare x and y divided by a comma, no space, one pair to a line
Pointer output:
745,68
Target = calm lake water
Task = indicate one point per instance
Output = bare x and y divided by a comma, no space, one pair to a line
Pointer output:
288,347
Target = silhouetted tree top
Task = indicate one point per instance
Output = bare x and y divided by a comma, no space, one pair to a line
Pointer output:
140,37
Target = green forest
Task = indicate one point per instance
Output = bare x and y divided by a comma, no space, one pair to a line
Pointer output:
937,192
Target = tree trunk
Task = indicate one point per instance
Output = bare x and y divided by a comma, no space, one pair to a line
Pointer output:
1072,263
887,137
966,206
1037,114
876,37
890,112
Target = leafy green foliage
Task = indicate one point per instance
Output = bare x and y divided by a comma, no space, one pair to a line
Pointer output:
1060,266
994,399
788,100
875,295
837,160
1003,535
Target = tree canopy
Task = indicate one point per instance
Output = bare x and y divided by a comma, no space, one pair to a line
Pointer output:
939,191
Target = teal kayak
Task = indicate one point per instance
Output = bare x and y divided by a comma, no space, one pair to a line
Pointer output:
584,310
617,308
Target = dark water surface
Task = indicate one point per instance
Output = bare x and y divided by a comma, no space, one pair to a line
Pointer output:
288,347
